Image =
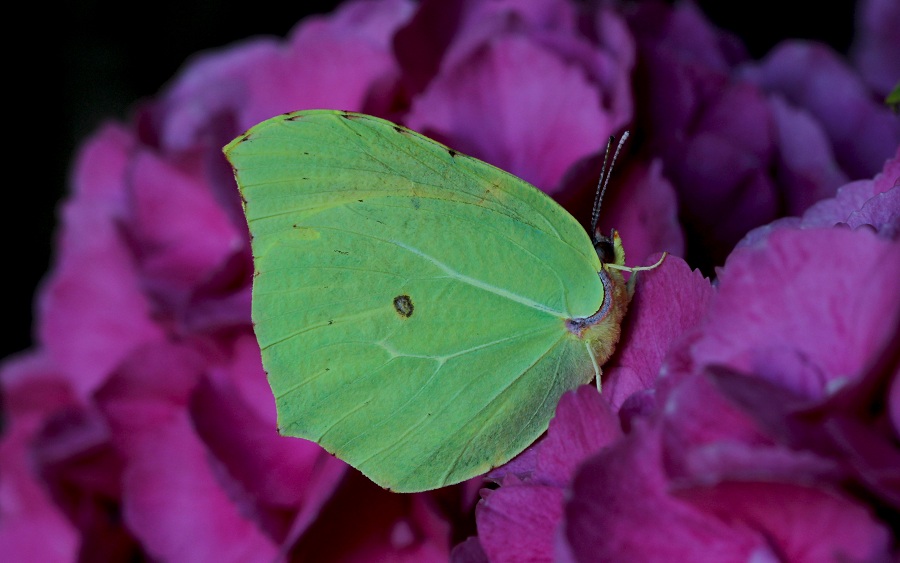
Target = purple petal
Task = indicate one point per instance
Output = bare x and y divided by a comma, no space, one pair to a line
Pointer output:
803,524
876,44
807,169
858,203
163,494
363,522
875,458
863,131
791,308
272,475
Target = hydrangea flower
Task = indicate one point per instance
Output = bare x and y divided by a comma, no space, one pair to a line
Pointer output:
752,409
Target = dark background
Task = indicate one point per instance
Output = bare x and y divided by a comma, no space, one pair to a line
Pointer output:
69,68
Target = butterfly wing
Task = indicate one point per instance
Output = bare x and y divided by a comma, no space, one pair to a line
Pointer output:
409,301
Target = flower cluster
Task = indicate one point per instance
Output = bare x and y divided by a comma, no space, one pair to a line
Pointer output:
752,410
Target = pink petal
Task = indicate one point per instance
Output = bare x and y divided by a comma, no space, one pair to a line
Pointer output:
531,81
519,523
874,457
668,302
269,476
261,78
469,551
446,34
172,499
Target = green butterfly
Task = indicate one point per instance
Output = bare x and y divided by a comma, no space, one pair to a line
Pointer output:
419,312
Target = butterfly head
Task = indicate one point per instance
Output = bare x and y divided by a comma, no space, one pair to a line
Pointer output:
609,248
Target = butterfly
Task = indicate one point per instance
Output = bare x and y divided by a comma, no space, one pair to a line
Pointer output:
419,312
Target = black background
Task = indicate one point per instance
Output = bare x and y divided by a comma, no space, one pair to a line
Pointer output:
70,68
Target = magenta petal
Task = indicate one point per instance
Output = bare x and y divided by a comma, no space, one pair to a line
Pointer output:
710,436
168,484
806,309
532,82
469,551
644,210
363,523
668,302
244,373
894,404
181,232
276,469
519,523
92,310
619,509
804,524
583,425
168,479
875,458
32,527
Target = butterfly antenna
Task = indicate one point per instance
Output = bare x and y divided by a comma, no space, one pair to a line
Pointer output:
605,173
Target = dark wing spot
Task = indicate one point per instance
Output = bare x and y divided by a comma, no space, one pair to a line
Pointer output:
452,152
404,306
399,129
342,252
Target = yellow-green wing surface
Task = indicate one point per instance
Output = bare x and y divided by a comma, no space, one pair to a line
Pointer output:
409,301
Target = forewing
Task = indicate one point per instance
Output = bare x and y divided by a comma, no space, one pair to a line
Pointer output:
409,301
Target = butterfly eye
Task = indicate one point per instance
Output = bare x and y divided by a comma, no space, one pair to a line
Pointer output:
606,252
